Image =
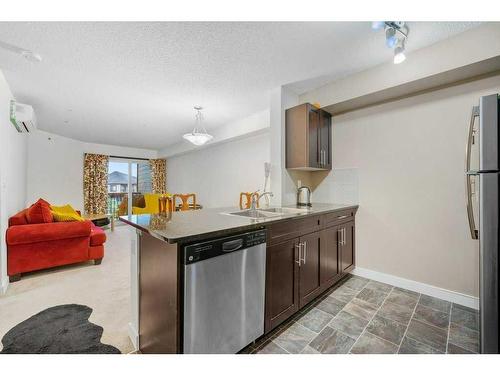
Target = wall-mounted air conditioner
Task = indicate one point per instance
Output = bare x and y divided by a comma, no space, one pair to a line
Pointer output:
22,117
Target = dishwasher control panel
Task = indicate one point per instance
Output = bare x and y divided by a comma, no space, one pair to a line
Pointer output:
209,249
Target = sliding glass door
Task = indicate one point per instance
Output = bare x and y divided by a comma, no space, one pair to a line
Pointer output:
128,180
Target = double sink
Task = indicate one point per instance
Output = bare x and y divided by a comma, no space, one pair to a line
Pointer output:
267,213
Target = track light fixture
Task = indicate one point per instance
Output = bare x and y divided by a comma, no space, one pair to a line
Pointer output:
396,33
399,52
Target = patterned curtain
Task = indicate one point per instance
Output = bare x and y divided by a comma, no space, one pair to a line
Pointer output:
95,183
159,175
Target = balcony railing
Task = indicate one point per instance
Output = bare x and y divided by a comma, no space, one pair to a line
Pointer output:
115,201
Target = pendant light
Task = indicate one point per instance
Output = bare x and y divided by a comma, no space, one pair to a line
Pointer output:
199,135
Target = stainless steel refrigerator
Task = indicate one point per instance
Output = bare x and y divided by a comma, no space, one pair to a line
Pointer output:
483,199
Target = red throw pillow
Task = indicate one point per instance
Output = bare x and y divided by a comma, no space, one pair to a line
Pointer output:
39,213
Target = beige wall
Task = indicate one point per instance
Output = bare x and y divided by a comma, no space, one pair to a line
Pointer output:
409,157
55,166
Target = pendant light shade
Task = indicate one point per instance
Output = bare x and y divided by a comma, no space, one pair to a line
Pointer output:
199,135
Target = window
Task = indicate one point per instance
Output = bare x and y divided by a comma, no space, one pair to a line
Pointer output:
128,179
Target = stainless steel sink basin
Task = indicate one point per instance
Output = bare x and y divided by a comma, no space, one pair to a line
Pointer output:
266,213
286,210
254,214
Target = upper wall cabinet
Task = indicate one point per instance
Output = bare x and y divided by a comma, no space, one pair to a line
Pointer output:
308,138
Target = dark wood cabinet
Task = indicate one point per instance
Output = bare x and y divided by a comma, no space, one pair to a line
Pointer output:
325,140
282,292
309,267
305,257
313,132
347,254
330,256
308,138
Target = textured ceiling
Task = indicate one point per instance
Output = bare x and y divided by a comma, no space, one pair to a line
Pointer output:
134,84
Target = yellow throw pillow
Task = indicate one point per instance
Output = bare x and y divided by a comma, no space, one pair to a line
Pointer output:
65,213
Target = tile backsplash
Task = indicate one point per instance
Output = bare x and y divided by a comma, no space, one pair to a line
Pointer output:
339,186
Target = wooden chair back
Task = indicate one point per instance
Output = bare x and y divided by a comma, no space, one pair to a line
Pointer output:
185,205
166,204
248,200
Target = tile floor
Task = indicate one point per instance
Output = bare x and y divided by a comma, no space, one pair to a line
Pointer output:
365,316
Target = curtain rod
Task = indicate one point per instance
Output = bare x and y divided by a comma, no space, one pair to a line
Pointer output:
126,157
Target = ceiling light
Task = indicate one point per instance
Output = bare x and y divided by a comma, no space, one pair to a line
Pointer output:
396,34
199,135
399,52
378,25
399,55
390,37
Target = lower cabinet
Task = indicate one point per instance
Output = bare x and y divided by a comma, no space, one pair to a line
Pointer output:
330,256
282,277
300,269
346,245
309,267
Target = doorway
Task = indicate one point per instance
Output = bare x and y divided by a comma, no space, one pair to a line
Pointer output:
128,180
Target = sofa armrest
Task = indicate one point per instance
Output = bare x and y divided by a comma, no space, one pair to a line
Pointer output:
30,233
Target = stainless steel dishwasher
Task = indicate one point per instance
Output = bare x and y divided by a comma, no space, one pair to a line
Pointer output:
224,285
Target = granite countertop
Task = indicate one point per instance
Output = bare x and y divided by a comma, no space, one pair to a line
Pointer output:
189,226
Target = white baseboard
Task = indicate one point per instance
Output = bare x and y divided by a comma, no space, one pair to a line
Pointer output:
4,285
134,336
430,290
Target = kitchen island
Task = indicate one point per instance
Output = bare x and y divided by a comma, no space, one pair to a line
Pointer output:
307,252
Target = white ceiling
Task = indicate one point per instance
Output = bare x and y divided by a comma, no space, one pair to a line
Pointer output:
134,84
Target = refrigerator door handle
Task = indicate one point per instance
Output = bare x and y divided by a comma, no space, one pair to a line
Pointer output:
468,176
470,138
470,210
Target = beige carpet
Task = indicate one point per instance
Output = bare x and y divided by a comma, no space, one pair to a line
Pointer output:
104,288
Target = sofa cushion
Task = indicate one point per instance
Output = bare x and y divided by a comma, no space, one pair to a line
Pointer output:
65,213
31,233
97,236
39,213
19,218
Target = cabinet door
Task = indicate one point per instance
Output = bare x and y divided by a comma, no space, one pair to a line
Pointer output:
309,269
313,132
325,140
330,257
347,247
281,283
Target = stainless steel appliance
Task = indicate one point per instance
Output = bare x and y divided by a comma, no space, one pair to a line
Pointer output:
483,199
304,196
224,287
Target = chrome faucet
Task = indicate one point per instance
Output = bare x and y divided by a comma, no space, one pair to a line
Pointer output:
255,198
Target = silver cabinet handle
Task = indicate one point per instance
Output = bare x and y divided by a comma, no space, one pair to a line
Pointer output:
468,177
339,234
343,237
305,251
299,245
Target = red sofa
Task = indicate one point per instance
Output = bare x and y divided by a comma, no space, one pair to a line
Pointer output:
32,247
